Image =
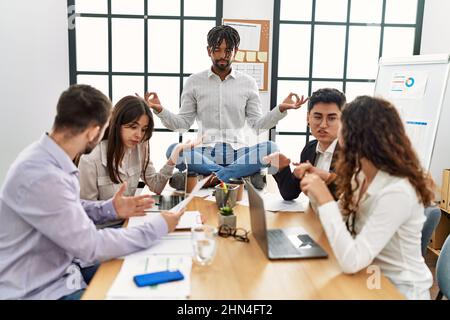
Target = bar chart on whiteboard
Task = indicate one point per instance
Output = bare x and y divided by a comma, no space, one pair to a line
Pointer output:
419,132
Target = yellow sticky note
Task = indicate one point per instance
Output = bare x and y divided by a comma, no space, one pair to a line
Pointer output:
251,56
240,55
262,56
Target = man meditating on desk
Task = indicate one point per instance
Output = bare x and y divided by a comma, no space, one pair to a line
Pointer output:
222,99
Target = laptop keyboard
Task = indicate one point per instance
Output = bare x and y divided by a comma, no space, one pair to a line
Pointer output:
279,244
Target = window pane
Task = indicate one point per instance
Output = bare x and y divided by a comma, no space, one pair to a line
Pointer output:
164,8
398,42
294,50
128,45
296,10
296,119
195,55
126,86
99,82
354,89
401,11
92,44
168,90
159,142
127,7
205,8
316,85
164,58
363,52
291,146
366,11
329,50
331,10
91,6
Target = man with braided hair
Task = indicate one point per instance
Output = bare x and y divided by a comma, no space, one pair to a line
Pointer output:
222,99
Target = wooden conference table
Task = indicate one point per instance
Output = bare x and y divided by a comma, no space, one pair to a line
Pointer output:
242,271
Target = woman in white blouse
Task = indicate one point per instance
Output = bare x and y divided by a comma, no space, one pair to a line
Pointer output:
383,190
124,154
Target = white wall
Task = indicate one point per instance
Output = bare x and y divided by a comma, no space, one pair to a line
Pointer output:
253,10
436,27
34,70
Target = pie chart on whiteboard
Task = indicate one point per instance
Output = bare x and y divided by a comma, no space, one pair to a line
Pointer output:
409,82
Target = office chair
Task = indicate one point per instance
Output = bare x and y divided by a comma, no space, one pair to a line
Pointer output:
433,215
443,271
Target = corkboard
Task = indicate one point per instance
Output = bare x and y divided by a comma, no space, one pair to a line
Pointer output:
263,48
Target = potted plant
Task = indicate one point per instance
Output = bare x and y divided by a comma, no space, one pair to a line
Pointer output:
226,214
227,217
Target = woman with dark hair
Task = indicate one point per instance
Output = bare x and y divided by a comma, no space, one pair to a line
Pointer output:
382,191
124,154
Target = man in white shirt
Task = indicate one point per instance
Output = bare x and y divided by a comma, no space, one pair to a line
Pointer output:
318,156
221,99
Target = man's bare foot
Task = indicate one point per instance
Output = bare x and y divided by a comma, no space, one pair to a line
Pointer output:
212,182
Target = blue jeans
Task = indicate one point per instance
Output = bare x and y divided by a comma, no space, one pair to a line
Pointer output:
87,273
224,161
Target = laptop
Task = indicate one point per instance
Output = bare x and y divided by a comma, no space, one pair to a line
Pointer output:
167,202
286,243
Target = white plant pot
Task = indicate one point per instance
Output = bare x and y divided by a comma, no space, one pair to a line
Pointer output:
228,220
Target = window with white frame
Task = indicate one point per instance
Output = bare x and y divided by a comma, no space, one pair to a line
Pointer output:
123,47
335,43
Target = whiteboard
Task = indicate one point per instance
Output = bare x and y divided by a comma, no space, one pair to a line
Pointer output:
419,87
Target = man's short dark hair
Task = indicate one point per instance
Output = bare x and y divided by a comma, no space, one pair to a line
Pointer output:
219,33
327,95
79,107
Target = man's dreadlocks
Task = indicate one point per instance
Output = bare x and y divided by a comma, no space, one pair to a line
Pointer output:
219,33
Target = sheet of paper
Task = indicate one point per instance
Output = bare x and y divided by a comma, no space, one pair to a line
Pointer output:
276,203
124,287
210,198
240,55
250,34
251,56
202,193
176,243
262,56
187,220
191,196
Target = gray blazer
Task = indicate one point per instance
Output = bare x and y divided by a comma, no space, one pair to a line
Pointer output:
95,183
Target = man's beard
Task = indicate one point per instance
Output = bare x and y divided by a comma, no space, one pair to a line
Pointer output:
91,145
222,67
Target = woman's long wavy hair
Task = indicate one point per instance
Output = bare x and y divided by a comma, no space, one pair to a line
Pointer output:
126,111
372,129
